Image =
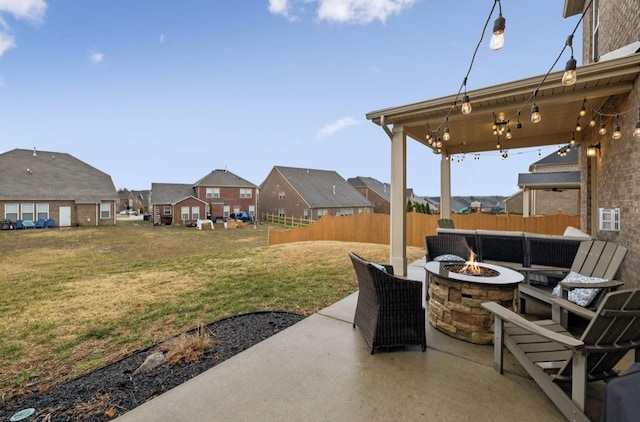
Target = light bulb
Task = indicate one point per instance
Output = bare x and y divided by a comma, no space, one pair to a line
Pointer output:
636,132
535,114
578,127
583,111
569,77
446,136
508,135
497,39
466,105
603,129
592,122
617,134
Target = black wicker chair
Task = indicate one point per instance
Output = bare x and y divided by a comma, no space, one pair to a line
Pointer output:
439,247
389,312
445,223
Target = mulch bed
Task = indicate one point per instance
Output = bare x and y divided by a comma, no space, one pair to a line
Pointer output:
107,393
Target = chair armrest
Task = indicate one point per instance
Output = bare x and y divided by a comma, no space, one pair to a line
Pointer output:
573,308
611,284
509,316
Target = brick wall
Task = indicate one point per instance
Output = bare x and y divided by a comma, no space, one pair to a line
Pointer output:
618,164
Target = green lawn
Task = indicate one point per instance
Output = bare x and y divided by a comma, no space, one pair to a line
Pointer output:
72,300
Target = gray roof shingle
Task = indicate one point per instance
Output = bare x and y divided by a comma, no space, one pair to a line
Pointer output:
382,189
45,175
224,179
170,193
323,188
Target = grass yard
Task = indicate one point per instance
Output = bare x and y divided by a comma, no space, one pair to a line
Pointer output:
73,300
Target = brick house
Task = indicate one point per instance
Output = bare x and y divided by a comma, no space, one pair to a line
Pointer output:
216,195
375,191
136,200
551,186
57,186
309,194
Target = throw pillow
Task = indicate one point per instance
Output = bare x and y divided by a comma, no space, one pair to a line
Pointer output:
582,297
449,258
378,266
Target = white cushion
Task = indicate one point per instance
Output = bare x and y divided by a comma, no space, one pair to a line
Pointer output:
572,231
582,297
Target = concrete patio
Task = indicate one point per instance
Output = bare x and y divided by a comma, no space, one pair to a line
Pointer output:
321,369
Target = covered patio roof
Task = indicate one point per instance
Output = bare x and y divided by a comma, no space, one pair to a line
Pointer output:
558,104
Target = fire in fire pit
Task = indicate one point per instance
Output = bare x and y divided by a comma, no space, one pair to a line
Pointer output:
471,267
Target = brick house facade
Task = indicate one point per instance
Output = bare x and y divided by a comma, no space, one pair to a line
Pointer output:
56,186
612,178
309,194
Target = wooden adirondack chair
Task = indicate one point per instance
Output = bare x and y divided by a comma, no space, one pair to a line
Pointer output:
552,356
595,258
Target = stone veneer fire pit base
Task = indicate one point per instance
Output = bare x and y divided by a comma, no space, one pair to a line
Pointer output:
454,307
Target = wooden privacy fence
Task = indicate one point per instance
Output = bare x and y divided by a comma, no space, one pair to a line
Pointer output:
374,228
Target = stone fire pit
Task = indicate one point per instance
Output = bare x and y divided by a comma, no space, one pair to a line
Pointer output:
454,299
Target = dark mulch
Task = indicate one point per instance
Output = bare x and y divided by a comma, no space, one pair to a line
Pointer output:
109,392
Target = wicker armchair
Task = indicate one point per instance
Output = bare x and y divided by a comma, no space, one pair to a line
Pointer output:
447,247
389,312
445,223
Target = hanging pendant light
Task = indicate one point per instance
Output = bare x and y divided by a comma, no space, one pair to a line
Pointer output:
497,39
536,117
616,134
569,77
466,104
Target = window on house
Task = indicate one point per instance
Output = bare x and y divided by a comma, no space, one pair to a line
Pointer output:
42,211
213,192
105,210
195,213
305,214
609,219
11,212
226,211
346,211
281,212
167,210
27,212
322,212
184,213
281,194
245,193
252,211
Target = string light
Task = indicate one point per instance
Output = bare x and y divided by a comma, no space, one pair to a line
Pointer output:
569,77
603,129
636,132
536,117
583,110
497,39
616,134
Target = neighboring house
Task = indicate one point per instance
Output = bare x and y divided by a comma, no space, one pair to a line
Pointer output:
137,200
375,191
227,193
310,194
54,185
552,186
175,203
216,195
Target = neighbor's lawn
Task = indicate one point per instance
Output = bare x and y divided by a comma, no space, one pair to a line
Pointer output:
76,299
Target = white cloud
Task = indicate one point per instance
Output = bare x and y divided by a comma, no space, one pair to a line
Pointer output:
342,11
95,56
29,10
360,11
336,126
6,42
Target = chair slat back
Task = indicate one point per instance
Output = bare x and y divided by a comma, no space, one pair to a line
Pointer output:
610,335
597,258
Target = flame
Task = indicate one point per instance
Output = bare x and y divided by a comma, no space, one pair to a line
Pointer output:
471,267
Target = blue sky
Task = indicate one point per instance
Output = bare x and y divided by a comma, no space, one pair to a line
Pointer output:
166,91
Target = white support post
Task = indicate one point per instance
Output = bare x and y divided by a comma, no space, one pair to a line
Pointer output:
445,188
398,217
